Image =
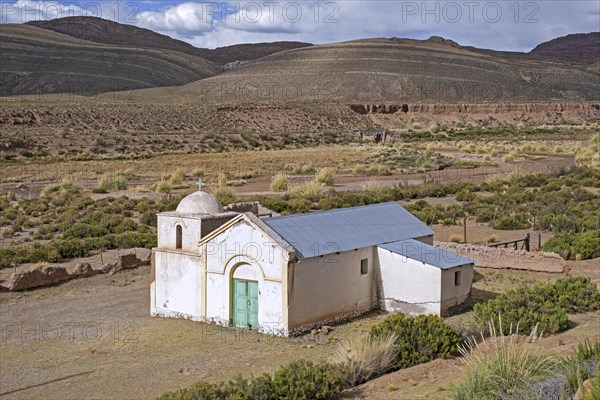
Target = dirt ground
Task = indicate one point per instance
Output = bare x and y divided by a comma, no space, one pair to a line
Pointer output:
93,338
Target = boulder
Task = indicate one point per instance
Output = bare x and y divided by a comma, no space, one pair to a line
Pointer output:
131,259
83,270
38,277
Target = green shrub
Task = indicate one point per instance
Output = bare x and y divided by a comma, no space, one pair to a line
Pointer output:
298,380
512,222
418,339
584,245
544,305
200,390
305,380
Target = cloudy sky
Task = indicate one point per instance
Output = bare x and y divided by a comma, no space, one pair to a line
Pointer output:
502,24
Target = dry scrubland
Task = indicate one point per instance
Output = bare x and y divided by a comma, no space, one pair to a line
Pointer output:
102,170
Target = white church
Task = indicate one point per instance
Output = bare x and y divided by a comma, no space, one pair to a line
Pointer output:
288,274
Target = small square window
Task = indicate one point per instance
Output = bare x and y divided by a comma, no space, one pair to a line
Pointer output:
457,278
364,266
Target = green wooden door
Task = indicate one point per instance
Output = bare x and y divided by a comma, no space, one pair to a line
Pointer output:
245,303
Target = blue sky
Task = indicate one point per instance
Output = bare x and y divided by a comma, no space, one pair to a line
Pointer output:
503,25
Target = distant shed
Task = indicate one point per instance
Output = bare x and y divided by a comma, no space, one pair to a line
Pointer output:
377,136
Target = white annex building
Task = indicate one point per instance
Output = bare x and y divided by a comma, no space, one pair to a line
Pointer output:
287,274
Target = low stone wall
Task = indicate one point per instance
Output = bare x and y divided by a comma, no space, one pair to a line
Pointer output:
500,258
53,274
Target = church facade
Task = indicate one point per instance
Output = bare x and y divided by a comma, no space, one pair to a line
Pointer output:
288,274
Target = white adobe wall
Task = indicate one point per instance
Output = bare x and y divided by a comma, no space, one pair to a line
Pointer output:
177,288
239,245
451,294
329,287
167,232
408,285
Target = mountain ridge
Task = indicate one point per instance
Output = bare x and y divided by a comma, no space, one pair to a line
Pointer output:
37,56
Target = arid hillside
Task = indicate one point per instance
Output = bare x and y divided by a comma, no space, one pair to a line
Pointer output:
580,48
35,60
397,70
104,31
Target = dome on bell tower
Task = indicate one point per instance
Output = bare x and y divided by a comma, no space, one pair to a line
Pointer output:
200,203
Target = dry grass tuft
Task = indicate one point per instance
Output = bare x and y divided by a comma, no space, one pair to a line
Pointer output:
455,238
325,176
502,364
280,183
365,357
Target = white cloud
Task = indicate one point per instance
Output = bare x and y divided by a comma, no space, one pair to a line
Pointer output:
187,18
502,25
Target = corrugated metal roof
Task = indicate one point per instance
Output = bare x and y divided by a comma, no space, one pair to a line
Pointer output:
426,253
344,229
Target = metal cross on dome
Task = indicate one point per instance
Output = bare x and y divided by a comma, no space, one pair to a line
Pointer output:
200,184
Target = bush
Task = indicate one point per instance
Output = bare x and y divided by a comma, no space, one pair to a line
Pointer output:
280,183
299,380
366,357
303,169
544,305
512,222
418,339
502,365
309,190
225,195
111,183
325,176
372,186
177,177
584,245
304,380
198,172
455,239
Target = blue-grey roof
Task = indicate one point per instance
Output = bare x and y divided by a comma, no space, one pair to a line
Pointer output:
343,229
426,253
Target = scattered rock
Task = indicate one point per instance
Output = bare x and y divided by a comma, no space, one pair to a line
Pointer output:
325,329
36,278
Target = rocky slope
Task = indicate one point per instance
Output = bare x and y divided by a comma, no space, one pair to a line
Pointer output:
394,70
35,60
580,48
104,31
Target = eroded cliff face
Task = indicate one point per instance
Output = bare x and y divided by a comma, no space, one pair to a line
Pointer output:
391,116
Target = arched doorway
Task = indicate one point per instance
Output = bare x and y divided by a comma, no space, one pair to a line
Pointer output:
244,296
